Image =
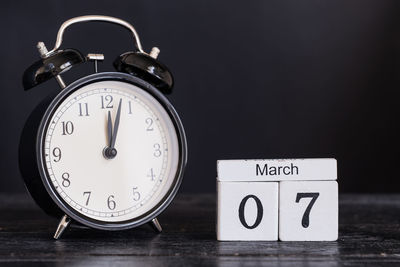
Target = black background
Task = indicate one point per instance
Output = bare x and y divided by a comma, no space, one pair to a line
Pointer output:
254,79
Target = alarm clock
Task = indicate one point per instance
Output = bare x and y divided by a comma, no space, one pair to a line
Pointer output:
107,151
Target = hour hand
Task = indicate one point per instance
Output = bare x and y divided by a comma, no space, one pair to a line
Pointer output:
109,129
109,151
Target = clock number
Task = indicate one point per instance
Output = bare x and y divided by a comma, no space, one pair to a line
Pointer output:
130,107
66,182
305,222
157,151
83,109
57,154
67,128
149,122
151,175
111,203
136,194
260,212
88,193
106,101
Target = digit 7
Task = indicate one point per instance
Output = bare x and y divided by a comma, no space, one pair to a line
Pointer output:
306,216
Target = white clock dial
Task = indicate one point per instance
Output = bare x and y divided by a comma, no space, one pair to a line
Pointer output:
144,169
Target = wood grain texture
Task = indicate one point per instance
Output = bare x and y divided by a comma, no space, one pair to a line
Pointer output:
369,235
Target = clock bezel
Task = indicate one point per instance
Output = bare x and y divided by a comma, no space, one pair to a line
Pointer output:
65,207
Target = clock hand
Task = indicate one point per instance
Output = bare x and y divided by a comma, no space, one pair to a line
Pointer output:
109,152
109,129
116,125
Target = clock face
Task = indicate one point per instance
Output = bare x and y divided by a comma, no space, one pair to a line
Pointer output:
97,186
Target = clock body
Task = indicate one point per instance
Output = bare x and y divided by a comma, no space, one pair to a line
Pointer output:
62,152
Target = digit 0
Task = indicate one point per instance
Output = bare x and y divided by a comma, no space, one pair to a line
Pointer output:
260,211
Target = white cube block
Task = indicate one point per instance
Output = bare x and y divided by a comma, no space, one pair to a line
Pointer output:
247,211
308,211
272,170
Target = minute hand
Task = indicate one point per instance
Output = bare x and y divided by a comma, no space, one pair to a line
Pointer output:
116,125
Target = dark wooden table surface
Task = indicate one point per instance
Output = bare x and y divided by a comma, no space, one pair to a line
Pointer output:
369,235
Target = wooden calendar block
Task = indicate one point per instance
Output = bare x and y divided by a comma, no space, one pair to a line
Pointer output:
247,211
308,211
270,170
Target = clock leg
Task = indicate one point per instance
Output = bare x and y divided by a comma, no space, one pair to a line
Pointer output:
63,224
156,225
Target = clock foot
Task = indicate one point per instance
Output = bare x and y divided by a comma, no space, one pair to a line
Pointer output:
156,225
63,224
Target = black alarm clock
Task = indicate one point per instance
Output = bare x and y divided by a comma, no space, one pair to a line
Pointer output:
107,151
